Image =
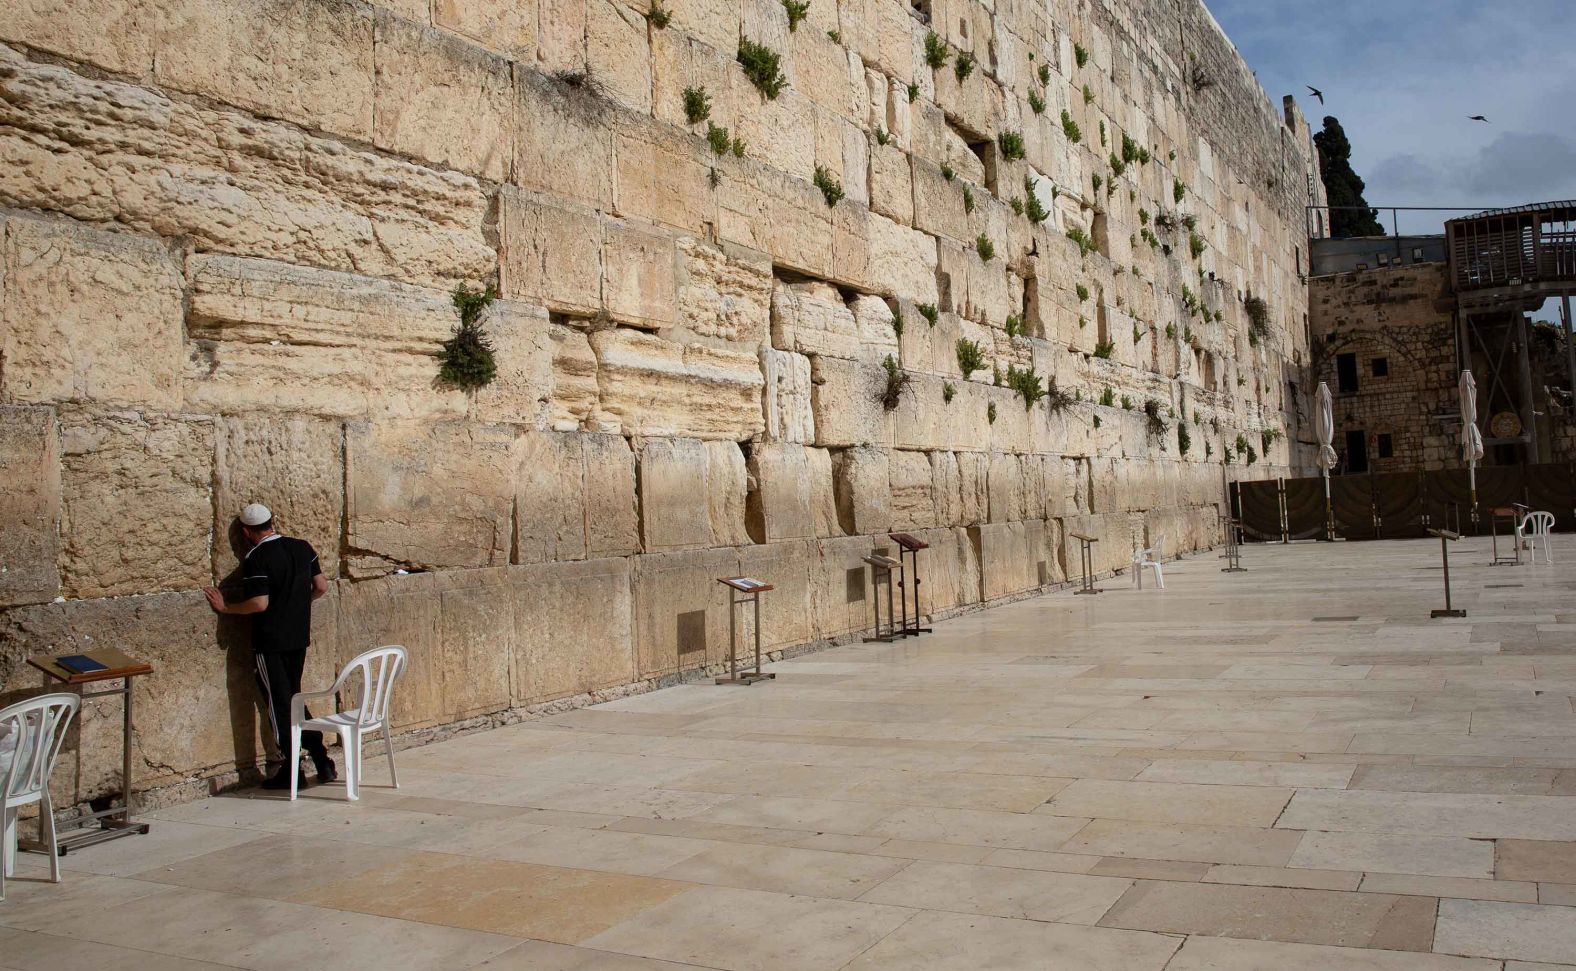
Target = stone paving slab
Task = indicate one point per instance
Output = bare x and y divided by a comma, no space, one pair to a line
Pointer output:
1213,776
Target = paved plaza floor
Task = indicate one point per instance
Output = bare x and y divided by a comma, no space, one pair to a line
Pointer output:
1291,768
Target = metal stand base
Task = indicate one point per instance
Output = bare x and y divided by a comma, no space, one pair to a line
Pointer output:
1447,613
747,678
1086,562
87,834
1445,538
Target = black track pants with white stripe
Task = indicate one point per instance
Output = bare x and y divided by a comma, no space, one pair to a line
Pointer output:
279,678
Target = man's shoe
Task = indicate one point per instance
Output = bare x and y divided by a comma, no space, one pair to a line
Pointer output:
326,772
281,780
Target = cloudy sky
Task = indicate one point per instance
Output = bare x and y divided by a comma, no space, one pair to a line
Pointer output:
1404,75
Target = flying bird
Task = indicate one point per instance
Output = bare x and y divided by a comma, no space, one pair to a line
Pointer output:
1316,93
1478,118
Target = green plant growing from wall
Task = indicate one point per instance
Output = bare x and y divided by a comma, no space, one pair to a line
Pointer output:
466,359
968,199
1102,132
930,313
1082,322
896,380
990,412
1107,397
1016,202
1268,437
1027,384
1014,325
717,138
1104,349
1258,316
737,147
1082,291
714,177
1070,128
1152,421
1171,332
1127,403
763,67
1143,216
697,105
1057,400
1178,190
1097,180
882,136
797,10
1088,96
1148,236
1252,455
971,357
1036,103
1011,144
1031,205
913,92
984,247
835,36
659,16
1226,454
1085,244
995,376
935,51
1184,438
831,189
948,389
1045,75
1080,54
963,66
947,172
1138,335
1196,245
897,322
1118,167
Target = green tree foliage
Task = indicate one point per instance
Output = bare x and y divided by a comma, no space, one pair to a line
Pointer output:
1343,185
466,360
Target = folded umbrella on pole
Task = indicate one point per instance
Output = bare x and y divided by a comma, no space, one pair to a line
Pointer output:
1324,430
1471,438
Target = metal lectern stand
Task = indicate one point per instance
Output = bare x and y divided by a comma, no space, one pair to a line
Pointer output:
908,554
752,590
1445,536
883,566
1233,547
1086,560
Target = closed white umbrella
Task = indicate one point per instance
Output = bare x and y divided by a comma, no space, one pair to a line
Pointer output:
1471,438
1324,430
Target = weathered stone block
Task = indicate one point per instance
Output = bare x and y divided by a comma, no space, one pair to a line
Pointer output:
426,82
891,183
673,489
403,610
1005,485
844,397
307,61
727,488
507,26
811,318
841,590
275,337
787,610
789,417
29,505
523,350
88,316
792,496
902,261
575,399
137,505
104,151
574,629
913,498
863,489
1009,562
725,293
428,496
564,142
681,611
639,274
476,642
617,52
612,520
664,177
560,35
550,253
294,466
115,34
658,387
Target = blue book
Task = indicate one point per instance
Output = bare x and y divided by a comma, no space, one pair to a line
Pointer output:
80,664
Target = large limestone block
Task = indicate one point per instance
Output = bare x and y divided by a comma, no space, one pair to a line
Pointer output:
902,261
576,400
844,400
789,417
564,142
639,274
428,496
574,629
674,499
119,35
440,99
913,496
891,183
664,177
506,26
561,36
792,496
810,317
787,610
612,520
403,610
949,571
88,316
946,489
658,387
307,61
938,201
874,320
29,505
727,491
681,611
973,488
618,54
1008,562
104,151
574,497
137,504
725,294
791,222
550,252
841,591
523,349
712,22
476,629
276,337
862,485
294,466
1005,486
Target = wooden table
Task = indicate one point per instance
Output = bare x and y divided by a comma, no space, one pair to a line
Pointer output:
113,823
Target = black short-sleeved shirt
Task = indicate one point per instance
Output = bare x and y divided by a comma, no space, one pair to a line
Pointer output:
282,568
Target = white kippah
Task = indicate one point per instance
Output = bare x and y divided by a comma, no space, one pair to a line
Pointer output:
256,514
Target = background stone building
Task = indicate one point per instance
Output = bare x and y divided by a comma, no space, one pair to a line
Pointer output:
229,230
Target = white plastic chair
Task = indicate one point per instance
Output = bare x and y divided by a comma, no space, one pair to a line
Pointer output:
1149,560
1536,526
378,669
33,731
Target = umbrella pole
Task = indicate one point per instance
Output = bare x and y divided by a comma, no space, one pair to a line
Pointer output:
1329,512
1472,478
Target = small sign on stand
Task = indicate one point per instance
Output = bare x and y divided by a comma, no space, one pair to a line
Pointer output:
909,546
1445,538
883,567
743,590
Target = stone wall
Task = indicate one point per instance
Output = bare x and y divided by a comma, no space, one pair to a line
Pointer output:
229,229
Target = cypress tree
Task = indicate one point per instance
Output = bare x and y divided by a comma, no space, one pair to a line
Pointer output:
1344,186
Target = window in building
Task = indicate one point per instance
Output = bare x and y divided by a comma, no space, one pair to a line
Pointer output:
1386,447
1417,255
1381,367
1356,451
1346,373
